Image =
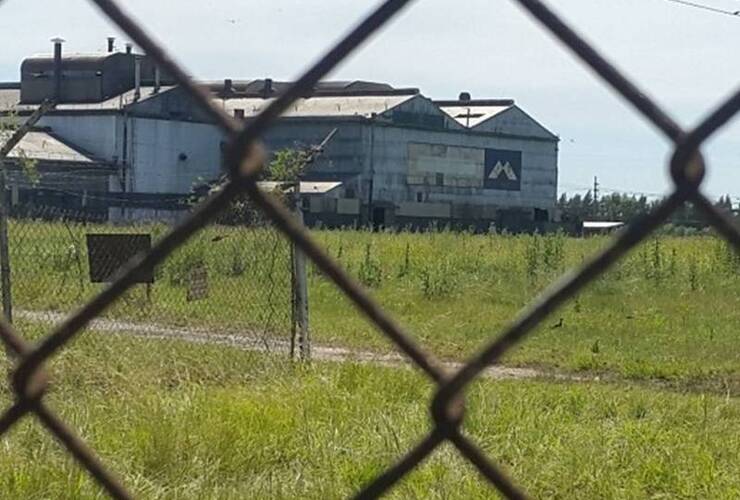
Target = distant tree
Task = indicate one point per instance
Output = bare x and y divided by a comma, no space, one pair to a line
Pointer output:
626,208
286,166
725,203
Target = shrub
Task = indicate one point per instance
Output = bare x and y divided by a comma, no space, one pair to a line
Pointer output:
370,274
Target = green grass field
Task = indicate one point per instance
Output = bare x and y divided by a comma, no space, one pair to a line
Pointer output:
670,310
655,337
184,421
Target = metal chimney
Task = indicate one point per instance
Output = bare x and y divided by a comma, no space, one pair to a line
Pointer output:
137,78
111,44
267,89
57,67
157,79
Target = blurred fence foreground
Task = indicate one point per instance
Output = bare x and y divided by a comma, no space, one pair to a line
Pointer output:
170,252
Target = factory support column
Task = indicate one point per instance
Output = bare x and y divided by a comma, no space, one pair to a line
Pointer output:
371,182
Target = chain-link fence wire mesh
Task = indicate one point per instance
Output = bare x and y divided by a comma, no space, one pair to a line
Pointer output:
245,160
229,282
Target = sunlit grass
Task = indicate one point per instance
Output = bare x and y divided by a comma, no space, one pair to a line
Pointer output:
669,310
177,420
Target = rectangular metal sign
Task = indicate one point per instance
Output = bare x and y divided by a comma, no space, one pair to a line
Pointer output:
503,170
198,283
107,253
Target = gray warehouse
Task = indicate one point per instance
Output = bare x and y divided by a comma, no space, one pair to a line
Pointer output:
398,158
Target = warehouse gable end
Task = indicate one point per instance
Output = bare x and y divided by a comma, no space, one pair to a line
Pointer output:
515,121
420,112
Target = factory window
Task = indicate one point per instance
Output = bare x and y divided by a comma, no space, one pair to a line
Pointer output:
440,179
419,197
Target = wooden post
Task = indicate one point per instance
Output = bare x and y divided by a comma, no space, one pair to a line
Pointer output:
300,289
300,330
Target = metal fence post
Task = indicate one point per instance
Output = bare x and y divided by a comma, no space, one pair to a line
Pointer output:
300,291
12,142
5,251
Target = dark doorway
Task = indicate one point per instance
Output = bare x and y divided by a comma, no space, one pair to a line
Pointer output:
378,217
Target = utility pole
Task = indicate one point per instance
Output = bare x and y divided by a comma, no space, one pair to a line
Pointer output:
596,188
596,196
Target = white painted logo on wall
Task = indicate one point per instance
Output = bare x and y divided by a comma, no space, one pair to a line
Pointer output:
503,168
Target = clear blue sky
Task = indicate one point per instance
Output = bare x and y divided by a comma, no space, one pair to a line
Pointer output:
683,57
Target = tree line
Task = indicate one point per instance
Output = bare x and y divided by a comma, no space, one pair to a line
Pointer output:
627,207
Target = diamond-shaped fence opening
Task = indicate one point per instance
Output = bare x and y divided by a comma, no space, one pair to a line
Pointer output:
244,161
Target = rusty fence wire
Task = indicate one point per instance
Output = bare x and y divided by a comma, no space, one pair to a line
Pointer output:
245,159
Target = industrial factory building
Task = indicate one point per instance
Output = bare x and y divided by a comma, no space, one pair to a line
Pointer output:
398,158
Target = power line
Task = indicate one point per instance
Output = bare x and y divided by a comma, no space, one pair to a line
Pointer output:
716,10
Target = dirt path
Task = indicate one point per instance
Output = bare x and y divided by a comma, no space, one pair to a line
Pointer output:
253,342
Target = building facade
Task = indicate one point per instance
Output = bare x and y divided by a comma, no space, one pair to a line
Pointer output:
397,158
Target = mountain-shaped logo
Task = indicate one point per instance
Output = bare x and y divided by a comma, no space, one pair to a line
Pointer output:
503,168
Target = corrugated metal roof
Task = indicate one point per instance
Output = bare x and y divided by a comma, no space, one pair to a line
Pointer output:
266,88
363,106
114,103
9,99
307,187
42,146
73,55
472,116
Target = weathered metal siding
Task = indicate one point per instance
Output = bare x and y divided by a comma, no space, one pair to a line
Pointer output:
96,134
391,165
344,158
171,156
169,103
381,146
514,121
153,148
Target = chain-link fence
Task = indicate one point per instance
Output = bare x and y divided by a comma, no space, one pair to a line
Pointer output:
229,283
244,160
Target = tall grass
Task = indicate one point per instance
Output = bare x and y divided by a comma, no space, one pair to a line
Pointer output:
453,291
186,421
